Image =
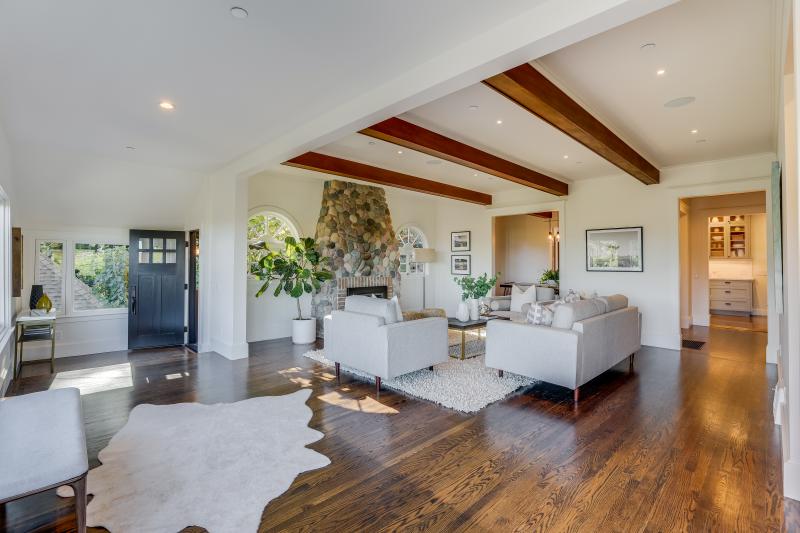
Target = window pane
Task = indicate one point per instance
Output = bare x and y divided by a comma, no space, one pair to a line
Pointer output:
50,271
265,232
158,244
171,257
101,276
172,244
144,257
144,243
158,257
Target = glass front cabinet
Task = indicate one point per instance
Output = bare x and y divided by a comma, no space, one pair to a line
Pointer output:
729,237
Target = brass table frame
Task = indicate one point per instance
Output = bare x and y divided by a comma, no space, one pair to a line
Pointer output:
26,321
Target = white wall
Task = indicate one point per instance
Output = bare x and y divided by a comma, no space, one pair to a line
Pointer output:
299,197
522,249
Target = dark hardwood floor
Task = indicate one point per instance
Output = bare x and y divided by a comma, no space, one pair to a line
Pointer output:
684,443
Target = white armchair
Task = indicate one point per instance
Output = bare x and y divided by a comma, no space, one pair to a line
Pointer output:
367,336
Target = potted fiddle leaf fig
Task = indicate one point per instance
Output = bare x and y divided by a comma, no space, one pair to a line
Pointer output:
298,269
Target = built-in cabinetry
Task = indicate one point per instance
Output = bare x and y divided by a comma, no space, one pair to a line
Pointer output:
729,237
731,295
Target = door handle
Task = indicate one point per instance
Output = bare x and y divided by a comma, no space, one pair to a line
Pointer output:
133,300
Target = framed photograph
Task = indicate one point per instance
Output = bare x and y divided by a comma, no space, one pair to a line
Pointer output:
460,241
461,265
614,250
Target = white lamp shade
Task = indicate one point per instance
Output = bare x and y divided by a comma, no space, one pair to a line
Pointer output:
424,255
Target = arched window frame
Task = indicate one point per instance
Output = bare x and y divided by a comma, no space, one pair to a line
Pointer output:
275,212
418,240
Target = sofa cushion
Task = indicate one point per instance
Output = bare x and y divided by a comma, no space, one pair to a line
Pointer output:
502,303
614,302
367,305
398,312
567,314
520,297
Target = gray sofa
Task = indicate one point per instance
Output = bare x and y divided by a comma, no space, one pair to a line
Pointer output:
587,338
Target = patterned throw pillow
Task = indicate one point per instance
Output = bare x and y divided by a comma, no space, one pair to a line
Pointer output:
540,315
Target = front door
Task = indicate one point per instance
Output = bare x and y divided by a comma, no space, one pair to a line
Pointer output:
156,289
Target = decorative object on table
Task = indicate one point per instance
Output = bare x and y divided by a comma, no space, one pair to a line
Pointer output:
37,291
460,265
467,285
423,256
467,386
299,269
43,306
130,484
463,311
614,250
473,290
460,241
549,278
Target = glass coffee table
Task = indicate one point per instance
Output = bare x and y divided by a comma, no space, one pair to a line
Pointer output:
463,327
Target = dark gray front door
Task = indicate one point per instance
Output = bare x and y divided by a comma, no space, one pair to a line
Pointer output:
156,288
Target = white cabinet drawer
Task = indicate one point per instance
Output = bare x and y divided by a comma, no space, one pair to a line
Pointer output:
739,295
725,305
729,284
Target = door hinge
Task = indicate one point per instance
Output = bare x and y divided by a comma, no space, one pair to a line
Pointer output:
186,286
186,243
185,329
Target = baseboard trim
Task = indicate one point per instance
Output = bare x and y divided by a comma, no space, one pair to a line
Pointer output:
791,479
230,351
39,350
759,312
703,320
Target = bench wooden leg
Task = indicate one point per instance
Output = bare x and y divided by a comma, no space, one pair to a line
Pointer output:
338,371
378,386
630,359
80,503
500,373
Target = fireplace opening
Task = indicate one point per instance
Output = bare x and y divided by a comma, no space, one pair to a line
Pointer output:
380,291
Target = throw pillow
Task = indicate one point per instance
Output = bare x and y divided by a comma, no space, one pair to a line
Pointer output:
571,296
397,309
520,297
540,315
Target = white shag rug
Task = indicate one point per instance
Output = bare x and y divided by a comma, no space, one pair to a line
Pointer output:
190,464
466,386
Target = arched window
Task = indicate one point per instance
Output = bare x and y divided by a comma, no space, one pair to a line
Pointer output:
267,228
408,238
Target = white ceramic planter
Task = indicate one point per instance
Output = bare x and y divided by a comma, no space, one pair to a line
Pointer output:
474,309
463,311
304,331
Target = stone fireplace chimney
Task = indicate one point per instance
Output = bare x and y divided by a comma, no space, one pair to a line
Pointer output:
355,231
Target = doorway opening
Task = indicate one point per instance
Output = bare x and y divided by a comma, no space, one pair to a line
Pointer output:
527,251
724,274
194,290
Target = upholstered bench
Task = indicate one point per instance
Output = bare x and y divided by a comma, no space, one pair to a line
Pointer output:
43,446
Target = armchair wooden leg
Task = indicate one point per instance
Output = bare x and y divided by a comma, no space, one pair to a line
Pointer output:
576,394
80,503
500,373
430,368
338,373
378,386
630,361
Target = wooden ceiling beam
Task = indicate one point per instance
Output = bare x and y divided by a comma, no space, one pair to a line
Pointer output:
533,91
403,133
360,171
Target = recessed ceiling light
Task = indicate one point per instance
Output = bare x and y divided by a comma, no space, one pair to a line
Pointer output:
680,102
698,141
239,13
476,174
578,162
693,132
399,151
660,72
166,104
371,143
499,121
566,156
129,147
473,107
647,46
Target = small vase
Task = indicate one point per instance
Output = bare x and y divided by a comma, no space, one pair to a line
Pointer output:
474,309
463,311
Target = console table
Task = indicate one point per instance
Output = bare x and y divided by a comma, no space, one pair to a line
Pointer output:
31,326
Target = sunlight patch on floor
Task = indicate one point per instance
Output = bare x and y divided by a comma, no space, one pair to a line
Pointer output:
363,405
91,380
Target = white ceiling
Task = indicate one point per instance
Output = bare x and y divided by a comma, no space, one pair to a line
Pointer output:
88,74
720,51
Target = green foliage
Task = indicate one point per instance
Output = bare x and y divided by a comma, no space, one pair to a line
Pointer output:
104,268
298,269
263,232
549,275
475,288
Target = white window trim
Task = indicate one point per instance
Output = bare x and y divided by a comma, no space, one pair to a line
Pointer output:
424,239
68,275
277,212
